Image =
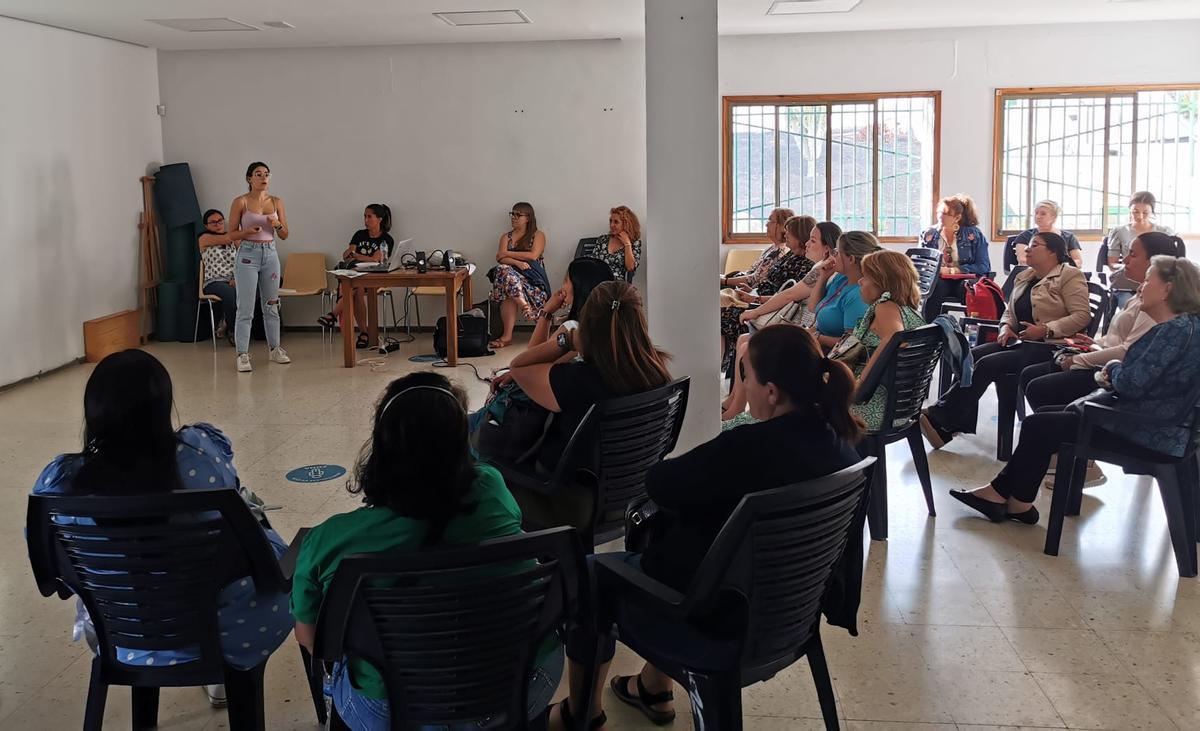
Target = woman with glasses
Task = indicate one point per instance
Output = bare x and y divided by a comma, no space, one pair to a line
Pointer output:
217,253
519,282
260,216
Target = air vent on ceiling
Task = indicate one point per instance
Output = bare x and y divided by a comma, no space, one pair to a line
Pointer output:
798,7
202,25
484,17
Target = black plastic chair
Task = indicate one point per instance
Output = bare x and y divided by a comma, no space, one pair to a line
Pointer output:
1010,254
1178,478
612,449
1102,256
149,573
928,263
905,369
762,582
586,247
455,631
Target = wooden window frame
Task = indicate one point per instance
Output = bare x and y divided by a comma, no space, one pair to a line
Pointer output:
729,102
1049,92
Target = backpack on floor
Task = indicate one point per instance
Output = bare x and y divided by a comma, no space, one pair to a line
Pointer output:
472,335
984,298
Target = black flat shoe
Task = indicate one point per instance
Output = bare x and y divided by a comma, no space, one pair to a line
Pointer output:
1029,517
363,341
568,722
995,512
644,699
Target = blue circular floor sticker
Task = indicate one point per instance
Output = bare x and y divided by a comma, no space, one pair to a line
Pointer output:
316,473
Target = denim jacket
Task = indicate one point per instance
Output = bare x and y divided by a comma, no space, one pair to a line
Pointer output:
1159,374
972,247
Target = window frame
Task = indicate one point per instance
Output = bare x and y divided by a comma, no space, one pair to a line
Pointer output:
1052,92
729,102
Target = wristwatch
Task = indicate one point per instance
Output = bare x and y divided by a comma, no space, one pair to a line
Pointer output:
547,315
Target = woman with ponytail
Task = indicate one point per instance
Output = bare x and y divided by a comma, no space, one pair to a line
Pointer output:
803,403
421,489
131,447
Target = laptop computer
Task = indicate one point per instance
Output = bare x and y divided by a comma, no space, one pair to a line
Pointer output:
391,262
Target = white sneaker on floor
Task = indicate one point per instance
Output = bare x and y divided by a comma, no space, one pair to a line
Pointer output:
216,695
243,363
279,355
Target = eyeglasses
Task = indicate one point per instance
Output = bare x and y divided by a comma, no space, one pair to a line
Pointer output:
514,214
261,175
214,222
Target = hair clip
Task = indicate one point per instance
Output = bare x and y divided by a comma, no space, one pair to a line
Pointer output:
616,304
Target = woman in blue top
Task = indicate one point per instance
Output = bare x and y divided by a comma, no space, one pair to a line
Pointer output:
964,250
130,446
839,304
1159,373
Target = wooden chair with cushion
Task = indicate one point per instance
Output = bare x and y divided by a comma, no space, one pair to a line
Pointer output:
739,260
304,274
205,299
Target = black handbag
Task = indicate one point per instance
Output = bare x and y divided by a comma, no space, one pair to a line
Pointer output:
640,520
472,336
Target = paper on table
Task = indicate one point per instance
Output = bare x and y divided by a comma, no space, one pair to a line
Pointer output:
349,273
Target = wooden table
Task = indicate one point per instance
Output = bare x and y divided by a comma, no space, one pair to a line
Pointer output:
451,281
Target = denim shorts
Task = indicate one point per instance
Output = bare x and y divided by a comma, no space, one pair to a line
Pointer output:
361,713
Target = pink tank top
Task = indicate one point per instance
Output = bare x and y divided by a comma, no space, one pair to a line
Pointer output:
250,220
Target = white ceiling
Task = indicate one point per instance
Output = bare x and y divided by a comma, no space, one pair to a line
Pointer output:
385,22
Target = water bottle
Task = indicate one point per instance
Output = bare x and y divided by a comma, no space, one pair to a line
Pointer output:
973,334
383,247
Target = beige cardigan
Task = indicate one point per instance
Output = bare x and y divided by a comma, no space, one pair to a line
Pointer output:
1060,301
1129,325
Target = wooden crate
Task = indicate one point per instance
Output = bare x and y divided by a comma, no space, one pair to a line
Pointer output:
110,334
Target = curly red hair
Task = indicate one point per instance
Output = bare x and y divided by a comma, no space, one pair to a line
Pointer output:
629,222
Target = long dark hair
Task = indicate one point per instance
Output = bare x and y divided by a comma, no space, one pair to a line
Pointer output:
384,213
585,274
821,388
526,242
1157,243
614,338
129,442
417,461
1056,244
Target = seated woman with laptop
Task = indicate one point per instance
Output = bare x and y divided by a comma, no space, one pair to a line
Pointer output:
367,245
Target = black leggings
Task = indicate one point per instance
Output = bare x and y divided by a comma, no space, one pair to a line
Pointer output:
944,290
958,410
1045,384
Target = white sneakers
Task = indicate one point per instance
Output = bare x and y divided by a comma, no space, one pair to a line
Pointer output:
216,695
278,355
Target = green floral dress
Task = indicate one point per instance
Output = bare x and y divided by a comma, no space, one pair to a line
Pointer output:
872,411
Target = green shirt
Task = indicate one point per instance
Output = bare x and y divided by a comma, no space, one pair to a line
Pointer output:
380,530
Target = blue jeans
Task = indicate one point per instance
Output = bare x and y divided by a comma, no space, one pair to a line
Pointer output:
371,714
256,269
228,294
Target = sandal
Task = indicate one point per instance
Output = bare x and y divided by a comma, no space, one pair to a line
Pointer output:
568,722
643,700
327,320
363,341
499,343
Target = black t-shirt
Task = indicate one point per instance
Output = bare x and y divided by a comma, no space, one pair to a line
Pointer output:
576,386
364,245
696,492
1023,307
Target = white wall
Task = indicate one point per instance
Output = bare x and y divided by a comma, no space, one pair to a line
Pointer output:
77,130
967,65
449,136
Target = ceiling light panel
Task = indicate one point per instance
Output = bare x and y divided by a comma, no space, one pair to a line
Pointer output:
202,25
801,7
484,17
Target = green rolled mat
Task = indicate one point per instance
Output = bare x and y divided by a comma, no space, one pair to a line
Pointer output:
176,311
179,247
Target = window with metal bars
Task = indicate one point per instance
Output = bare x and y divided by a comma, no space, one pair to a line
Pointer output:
864,161
1090,148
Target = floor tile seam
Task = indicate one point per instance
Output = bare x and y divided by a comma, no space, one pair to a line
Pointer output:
1150,696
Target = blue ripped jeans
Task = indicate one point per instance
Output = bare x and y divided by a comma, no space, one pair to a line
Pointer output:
256,269
361,713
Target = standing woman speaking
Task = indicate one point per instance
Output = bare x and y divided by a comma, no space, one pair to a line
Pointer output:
256,267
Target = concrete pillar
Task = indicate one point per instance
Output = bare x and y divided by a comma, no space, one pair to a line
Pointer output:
683,189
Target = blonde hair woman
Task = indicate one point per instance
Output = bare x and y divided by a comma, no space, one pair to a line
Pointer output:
1045,219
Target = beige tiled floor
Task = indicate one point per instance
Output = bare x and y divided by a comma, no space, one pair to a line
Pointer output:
964,624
